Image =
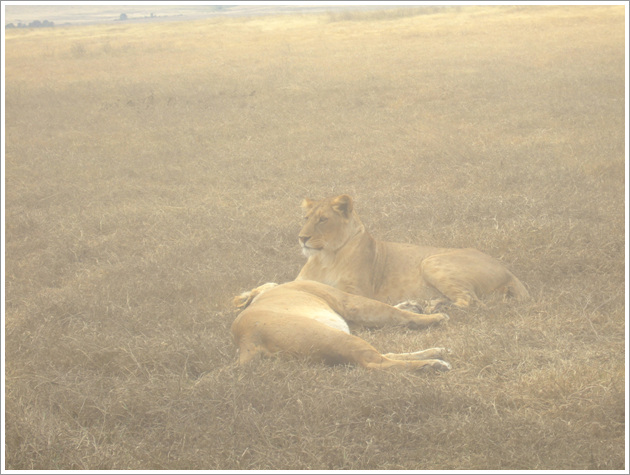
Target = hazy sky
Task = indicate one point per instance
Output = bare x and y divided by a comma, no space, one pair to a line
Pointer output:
98,12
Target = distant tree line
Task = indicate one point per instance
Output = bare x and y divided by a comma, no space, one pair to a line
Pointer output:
33,24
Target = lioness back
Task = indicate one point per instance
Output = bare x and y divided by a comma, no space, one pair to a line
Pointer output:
341,253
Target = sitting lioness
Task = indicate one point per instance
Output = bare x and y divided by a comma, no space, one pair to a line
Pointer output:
341,253
309,319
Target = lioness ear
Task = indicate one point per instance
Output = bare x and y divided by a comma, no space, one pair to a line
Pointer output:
307,203
342,204
243,300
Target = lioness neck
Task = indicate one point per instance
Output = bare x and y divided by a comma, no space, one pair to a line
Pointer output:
350,268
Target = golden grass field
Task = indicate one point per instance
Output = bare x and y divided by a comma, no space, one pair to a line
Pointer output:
154,171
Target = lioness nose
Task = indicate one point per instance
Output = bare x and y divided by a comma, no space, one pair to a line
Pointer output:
303,239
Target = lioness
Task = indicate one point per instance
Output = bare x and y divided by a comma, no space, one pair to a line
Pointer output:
310,319
341,253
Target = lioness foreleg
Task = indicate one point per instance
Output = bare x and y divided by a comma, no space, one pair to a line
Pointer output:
424,307
372,313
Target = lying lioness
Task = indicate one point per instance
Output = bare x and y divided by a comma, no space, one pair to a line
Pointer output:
308,318
341,253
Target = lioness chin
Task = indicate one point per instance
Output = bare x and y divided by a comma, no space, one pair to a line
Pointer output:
341,253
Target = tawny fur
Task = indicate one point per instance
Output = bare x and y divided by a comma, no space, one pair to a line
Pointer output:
309,319
341,253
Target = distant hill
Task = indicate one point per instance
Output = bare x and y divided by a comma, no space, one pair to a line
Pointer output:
87,14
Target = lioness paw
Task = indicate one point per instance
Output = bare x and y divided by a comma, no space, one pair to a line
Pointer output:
424,307
442,317
440,365
410,306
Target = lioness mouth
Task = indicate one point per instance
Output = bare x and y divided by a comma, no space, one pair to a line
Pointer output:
309,251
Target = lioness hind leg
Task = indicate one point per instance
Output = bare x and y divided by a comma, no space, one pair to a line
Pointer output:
436,364
464,298
249,351
464,275
440,272
431,353
517,289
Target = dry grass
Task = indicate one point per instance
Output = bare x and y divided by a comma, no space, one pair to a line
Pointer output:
154,171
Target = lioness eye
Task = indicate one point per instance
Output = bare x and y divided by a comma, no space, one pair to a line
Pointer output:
323,219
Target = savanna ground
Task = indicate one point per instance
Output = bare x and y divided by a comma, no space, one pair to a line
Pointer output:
155,171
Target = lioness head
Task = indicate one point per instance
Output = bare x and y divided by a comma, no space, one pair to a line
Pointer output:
330,223
242,301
